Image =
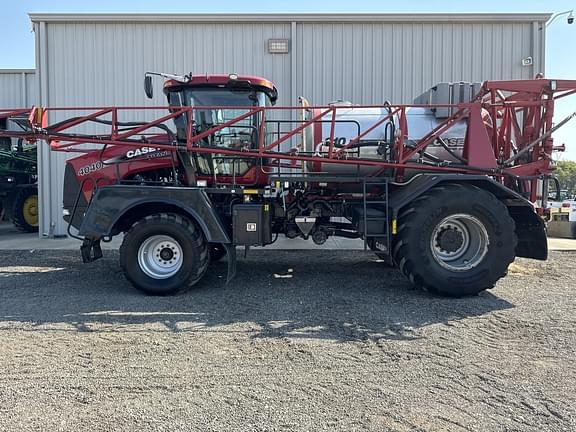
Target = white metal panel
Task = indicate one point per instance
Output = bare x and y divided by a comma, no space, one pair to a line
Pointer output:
373,62
10,90
17,88
104,64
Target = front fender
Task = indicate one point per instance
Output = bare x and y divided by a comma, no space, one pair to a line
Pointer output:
111,203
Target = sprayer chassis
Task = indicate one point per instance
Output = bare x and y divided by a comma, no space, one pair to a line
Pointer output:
453,228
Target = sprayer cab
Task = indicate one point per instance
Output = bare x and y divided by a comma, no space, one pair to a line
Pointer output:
223,109
216,101
224,97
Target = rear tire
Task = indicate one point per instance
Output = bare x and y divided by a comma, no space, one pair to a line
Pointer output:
25,209
455,240
163,254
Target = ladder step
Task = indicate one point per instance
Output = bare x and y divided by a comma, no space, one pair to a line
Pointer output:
379,208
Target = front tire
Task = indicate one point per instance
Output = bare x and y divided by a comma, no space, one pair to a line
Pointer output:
163,254
455,240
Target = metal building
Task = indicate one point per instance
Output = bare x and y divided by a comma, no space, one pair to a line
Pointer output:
100,59
17,89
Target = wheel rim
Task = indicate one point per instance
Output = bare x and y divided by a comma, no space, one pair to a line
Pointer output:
459,242
160,257
30,210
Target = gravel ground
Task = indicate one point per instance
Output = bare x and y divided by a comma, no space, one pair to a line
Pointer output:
339,343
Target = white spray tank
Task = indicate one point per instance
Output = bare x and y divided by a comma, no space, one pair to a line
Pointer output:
352,121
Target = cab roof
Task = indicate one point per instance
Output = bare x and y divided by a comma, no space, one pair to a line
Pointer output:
221,79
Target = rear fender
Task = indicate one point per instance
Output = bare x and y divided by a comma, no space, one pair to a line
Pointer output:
530,228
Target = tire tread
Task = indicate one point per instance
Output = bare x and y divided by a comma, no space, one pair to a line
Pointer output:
405,259
195,235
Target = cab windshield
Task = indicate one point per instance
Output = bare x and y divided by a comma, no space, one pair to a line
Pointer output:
223,104
242,134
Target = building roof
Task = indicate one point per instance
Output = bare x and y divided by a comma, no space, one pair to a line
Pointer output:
17,71
312,17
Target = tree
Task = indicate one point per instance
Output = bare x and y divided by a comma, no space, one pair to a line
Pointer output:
566,173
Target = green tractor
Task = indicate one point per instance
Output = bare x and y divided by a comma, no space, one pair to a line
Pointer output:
18,183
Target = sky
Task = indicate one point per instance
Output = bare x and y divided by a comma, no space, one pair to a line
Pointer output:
18,40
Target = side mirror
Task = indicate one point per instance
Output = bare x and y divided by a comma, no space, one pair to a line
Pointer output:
148,88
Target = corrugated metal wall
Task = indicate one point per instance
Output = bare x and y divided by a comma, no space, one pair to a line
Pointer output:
103,63
17,88
374,62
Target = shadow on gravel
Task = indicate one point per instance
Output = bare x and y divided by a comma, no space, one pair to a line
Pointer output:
337,295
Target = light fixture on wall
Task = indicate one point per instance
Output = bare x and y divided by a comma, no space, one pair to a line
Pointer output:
569,18
527,61
278,46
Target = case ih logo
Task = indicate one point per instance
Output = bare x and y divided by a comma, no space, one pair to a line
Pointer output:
140,152
147,152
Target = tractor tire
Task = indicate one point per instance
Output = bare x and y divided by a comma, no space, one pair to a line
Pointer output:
217,252
25,209
455,240
163,254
